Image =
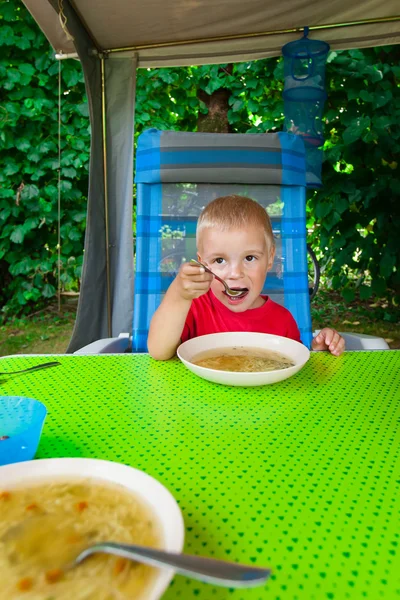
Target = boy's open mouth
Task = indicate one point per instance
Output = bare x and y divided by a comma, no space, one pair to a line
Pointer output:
243,293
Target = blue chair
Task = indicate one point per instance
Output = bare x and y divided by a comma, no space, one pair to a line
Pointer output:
178,173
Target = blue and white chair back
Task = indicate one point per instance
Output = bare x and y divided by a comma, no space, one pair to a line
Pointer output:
178,173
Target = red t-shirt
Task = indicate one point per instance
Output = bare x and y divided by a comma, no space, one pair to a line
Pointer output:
208,315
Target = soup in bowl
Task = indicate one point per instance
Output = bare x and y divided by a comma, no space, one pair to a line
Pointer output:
243,358
52,509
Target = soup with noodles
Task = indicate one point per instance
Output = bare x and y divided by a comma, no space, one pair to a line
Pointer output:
239,358
44,527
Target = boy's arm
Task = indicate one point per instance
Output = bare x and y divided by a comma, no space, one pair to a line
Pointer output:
167,324
169,319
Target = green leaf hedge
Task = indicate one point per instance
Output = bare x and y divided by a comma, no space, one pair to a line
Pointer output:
354,221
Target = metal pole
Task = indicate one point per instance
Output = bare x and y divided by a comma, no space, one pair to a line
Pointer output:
106,222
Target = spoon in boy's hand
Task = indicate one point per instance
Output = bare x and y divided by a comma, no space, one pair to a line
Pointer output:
228,290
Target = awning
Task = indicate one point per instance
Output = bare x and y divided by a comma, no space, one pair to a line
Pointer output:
184,32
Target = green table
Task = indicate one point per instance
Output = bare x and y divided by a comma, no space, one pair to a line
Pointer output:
302,476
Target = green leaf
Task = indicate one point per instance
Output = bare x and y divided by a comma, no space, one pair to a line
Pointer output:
74,234
51,163
65,186
68,172
22,144
322,210
30,223
10,166
45,147
26,69
79,217
13,75
374,73
22,267
4,214
253,106
48,290
34,155
237,105
213,85
382,98
83,109
70,76
331,220
382,121
166,75
366,96
17,236
22,42
341,204
354,131
29,192
387,265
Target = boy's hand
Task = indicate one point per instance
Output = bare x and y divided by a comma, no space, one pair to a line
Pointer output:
193,281
329,339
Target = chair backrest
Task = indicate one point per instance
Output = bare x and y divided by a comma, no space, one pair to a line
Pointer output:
178,173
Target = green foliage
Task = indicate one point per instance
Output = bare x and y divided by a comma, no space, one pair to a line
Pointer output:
354,221
29,157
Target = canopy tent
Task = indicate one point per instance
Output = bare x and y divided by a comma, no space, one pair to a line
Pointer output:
187,32
112,39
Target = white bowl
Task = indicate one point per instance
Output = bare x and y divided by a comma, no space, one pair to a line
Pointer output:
152,492
298,353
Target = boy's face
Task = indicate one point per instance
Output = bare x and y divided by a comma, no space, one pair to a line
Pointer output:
242,259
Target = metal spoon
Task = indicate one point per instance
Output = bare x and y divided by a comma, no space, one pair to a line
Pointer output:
35,368
21,542
214,571
228,290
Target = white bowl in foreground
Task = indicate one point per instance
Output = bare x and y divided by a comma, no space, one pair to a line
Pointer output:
297,352
152,492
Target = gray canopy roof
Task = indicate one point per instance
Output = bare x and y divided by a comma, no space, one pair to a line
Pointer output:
182,32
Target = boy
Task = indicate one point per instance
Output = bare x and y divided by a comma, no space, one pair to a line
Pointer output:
235,240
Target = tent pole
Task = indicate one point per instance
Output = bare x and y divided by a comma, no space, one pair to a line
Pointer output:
105,179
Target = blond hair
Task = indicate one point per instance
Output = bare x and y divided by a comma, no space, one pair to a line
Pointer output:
235,212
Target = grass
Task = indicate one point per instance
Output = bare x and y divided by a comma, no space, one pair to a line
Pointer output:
372,317
48,332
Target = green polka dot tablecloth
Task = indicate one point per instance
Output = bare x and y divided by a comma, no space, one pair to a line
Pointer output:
301,476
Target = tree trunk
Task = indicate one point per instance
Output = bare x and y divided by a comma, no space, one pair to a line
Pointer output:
216,120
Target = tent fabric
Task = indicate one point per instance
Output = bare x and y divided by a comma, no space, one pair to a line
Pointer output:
167,216
171,156
92,321
158,29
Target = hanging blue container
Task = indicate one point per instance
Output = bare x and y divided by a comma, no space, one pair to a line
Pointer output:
304,98
304,63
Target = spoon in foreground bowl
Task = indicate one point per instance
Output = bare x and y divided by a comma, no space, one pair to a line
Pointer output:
210,570
22,543
228,290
